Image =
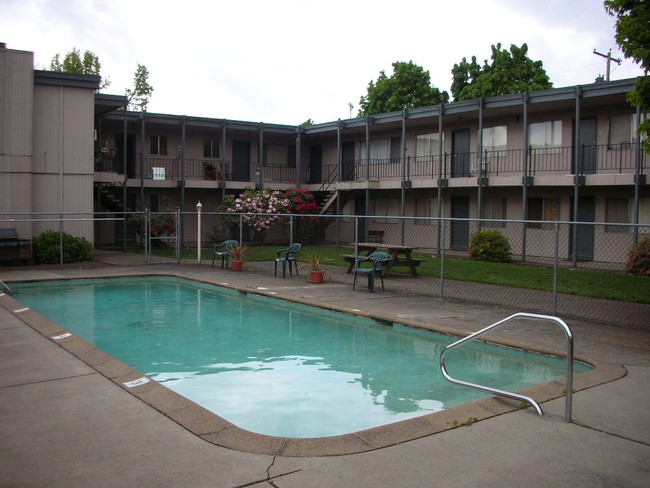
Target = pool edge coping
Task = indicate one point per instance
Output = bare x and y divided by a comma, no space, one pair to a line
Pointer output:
218,431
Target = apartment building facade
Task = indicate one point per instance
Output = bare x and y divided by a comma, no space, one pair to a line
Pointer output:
565,154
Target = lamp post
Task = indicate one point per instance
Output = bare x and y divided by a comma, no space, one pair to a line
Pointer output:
198,232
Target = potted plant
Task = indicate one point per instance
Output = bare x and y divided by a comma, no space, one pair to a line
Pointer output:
317,273
237,254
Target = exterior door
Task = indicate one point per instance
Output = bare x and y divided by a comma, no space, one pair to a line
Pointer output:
130,154
460,228
587,151
241,160
584,233
460,157
347,148
316,164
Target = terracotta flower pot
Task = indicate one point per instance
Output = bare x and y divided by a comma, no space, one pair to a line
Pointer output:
317,276
236,265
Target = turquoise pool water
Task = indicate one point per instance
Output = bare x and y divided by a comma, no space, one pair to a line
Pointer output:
273,367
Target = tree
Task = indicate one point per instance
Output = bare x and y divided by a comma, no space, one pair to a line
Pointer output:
408,87
633,37
509,72
74,63
142,90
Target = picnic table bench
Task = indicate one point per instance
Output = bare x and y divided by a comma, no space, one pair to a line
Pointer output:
399,256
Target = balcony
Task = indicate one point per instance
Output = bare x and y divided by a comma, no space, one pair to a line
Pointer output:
602,160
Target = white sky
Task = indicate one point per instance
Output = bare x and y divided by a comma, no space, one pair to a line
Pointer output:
284,61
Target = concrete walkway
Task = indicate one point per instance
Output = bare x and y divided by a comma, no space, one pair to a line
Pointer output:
63,423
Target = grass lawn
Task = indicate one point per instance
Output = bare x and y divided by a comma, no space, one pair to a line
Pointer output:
607,285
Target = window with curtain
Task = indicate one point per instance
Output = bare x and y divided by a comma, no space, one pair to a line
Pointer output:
379,151
543,209
644,214
495,138
158,145
275,154
210,148
622,130
545,135
494,208
386,207
617,212
427,145
426,207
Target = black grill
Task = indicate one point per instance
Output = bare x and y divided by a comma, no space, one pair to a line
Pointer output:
12,248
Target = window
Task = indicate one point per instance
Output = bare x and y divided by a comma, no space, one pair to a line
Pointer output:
616,212
158,145
545,135
210,148
622,130
385,207
495,138
543,209
275,154
379,151
425,207
427,145
644,214
494,208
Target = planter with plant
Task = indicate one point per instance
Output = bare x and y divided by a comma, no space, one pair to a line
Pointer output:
237,253
314,260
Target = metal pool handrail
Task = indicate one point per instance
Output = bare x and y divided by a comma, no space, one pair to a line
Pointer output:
2,285
507,394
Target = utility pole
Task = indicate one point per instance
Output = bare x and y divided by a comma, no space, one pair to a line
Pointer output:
609,58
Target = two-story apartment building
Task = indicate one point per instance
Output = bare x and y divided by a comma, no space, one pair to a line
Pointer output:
564,154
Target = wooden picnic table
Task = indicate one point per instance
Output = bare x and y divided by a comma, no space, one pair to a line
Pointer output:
398,255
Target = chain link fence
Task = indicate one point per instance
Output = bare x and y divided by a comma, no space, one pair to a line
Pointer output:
552,261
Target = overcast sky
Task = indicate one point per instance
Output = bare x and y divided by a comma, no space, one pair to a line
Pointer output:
285,61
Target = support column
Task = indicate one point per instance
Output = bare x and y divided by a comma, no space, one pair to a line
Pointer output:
298,157
479,192
577,175
260,157
525,180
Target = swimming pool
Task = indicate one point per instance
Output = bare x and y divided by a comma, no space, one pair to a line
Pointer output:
271,366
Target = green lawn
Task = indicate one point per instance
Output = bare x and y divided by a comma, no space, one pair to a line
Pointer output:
594,284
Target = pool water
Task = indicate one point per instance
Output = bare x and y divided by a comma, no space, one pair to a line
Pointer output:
274,367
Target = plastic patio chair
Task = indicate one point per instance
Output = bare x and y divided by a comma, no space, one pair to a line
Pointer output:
376,261
289,256
223,250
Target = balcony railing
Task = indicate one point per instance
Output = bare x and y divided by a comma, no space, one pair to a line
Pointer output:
602,159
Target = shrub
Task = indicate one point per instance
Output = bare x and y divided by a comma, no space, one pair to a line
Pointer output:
47,248
638,260
489,245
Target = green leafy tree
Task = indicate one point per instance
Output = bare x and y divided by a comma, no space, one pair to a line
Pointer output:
74,62
511,71
408,87
139,95
633,37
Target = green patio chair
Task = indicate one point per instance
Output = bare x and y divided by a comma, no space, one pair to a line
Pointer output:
374,265
223,250
288,255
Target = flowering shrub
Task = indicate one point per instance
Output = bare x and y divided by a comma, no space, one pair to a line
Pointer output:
264,208
638,261
258,207
163,224
300,202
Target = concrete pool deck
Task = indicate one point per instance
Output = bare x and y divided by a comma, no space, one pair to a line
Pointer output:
64,423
